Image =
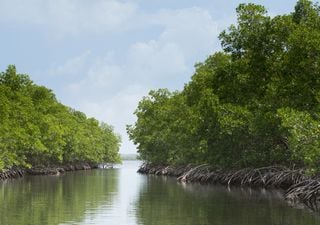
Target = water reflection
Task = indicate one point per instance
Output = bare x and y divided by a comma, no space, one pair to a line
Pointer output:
120,196
123,209
163,201
56,199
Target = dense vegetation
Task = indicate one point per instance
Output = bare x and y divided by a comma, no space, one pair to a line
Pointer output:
35,129
255,103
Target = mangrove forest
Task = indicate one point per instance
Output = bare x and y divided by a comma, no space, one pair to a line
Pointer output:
253,104
37,130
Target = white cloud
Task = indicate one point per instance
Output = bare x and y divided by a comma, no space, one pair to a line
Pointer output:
117,109
104,74
109,89
69,16
156,60
71,67
193,29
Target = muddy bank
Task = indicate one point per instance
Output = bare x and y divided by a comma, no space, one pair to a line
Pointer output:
299,188
52,170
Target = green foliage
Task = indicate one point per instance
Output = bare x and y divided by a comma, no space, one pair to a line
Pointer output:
35,129
255,103
303,132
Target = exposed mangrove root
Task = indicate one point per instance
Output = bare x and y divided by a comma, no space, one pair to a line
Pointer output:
53,170
12,173
56,170
299,187
307,191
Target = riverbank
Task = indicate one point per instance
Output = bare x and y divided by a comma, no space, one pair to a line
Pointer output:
297,185
52,170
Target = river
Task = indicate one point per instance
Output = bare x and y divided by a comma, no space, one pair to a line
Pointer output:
120,196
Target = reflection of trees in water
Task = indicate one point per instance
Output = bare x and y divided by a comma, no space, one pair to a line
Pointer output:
239,193
55,199
163,201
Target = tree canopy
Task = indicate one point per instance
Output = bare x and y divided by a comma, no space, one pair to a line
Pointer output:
36,129
254,103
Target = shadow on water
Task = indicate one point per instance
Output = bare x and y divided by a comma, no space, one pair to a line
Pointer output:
55,199
164,201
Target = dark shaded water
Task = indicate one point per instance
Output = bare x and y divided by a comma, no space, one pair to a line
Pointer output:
121,196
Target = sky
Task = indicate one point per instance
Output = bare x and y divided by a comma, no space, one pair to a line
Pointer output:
102,56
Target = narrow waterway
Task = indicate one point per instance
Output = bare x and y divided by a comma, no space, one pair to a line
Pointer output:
120,196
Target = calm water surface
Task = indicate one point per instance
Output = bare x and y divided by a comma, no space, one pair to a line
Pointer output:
120,196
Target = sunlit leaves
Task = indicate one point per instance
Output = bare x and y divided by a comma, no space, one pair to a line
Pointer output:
35,129
254,104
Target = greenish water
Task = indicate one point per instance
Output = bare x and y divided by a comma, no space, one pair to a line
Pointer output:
120,196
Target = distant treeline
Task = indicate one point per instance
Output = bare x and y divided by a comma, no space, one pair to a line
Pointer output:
35,129
253,104
129,157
